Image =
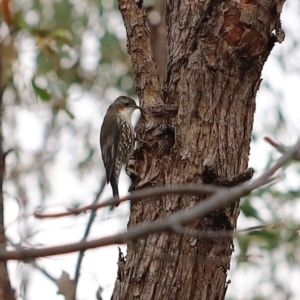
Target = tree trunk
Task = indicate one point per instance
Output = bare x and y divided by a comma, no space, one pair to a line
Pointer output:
216,51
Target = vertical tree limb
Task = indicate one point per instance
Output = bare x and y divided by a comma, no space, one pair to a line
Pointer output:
6,291
139,49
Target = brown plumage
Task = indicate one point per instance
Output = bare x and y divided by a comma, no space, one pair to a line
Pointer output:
117,139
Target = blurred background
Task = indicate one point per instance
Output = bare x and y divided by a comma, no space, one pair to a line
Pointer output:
64,62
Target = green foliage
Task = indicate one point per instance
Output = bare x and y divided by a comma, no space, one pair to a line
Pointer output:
248,210
42,93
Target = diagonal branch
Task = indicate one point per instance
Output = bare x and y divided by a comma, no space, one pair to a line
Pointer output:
280,147
219,199
87,230
188,189
225,233
191,189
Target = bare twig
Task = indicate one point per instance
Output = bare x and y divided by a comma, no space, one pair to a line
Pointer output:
281,148
45,272
219,199
226,233
87,230
33,263
188,189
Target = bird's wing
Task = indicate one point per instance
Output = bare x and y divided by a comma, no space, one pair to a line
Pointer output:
109,141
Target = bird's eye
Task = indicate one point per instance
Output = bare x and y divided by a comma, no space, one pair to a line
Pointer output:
126,104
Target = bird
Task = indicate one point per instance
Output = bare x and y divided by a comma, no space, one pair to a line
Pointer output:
117,139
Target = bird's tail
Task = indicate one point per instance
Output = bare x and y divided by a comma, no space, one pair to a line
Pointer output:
114,185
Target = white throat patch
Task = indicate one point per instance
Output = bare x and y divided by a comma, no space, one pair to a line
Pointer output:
126,113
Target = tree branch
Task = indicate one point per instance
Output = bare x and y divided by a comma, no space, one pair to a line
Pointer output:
139,49
5,286
189,189
280,147
221,198
87,230
226,233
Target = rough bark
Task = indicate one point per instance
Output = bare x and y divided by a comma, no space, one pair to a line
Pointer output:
158,37
216,51
6,292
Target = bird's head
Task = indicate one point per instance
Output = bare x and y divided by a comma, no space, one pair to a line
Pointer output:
125,106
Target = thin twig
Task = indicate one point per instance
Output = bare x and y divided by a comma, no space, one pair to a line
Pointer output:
34,264
45,272
280,147
225,233
274,144
87,230
188,189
